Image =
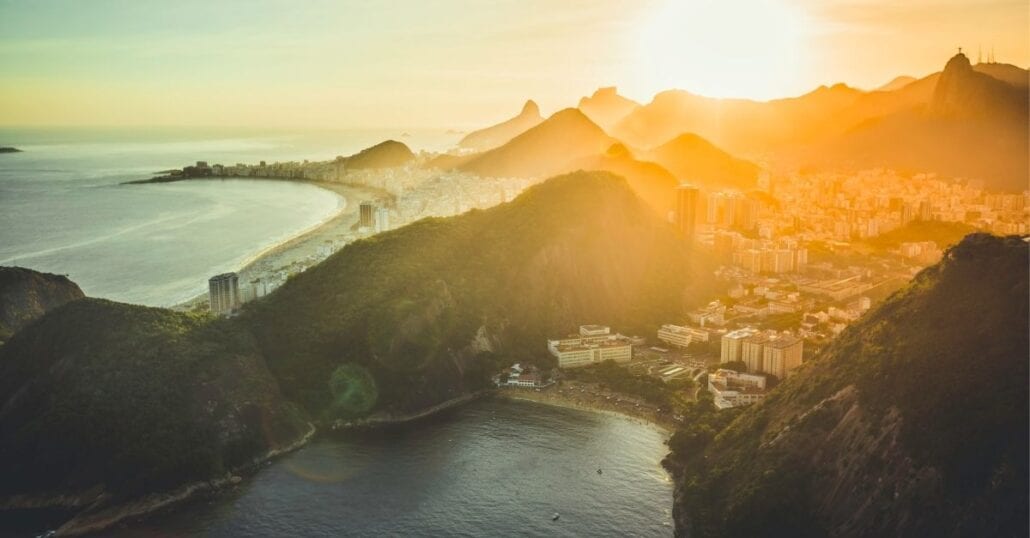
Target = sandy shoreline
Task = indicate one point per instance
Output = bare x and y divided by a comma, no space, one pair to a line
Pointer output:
305,243
554,399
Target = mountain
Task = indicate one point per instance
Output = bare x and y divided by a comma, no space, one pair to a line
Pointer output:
102,402
963,92
904,127
697,161
973,126
606,107
428,312
741,125
496,135
111,409
650,181
26,295
914,422
388,154
547,149
897,83
1011,74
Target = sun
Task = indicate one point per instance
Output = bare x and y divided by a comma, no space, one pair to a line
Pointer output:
722,48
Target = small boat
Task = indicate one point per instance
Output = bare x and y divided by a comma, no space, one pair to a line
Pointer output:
555,517
599,471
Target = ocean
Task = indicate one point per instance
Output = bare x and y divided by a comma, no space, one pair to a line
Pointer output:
63,209
489,468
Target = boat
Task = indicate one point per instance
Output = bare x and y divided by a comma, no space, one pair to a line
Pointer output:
555,516
599,471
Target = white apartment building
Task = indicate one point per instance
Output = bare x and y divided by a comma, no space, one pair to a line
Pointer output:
593,345
732,344
681,336
733,389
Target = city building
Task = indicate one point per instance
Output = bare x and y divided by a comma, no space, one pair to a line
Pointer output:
733,389
686,210
366,217
593,344
519,376
781,355
752,350
382,219
732,344
224,293
682,336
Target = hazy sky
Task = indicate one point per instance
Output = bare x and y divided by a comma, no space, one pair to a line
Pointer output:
456,63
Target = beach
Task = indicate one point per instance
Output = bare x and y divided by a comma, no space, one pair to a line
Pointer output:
589,397
300,251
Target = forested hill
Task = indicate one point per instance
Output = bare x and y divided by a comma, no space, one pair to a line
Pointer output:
418,315
914,422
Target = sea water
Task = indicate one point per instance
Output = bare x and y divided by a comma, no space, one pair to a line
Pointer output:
490,468
64,209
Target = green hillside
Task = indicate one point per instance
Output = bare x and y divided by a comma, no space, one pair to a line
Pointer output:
129,399
912,423
944,234
430,310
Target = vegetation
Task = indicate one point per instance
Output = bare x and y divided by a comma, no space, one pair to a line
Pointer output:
908,424
133,399
945,234
125,399
432,310
616,378
26,295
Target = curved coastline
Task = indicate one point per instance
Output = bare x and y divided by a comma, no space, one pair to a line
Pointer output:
550,399
294,248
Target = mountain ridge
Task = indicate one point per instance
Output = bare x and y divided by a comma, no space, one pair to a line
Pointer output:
903,426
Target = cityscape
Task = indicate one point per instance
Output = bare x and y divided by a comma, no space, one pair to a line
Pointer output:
670,268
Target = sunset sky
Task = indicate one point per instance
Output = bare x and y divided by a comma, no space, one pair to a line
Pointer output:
457,63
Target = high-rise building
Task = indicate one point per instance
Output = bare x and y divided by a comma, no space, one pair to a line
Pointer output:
224,293
382,219
751,351
781,355
686,210
366,218
732,344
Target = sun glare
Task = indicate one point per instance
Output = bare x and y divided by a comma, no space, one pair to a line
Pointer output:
722,48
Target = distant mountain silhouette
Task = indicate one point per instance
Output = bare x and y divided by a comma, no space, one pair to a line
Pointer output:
1016,76
740,125
546,149
962,91
973,126
897,83
496,135
697,161
386,154
650,181
606,107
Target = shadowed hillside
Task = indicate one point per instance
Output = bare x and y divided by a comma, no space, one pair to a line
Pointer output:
427,312
102,398
650,181
26,295
912,423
